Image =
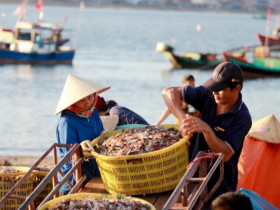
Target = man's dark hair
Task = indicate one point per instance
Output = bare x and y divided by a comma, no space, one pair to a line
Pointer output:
188,77
233,85
232,201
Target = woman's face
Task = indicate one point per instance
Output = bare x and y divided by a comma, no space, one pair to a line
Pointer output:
87,102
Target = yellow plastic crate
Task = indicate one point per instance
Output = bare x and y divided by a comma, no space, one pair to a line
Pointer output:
8,180
39,176
153,172
53,202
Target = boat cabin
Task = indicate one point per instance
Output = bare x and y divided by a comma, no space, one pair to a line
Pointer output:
36,37
6,37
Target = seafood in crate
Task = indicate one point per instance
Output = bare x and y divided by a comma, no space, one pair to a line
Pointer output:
138,140
8,170
5,170
96,201
156,169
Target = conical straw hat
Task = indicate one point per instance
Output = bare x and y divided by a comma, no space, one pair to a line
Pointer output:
75,89
109,122
266,129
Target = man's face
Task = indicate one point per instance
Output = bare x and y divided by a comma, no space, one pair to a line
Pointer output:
189,82
224,96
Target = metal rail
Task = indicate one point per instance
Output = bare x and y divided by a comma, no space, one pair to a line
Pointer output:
75,152
199,194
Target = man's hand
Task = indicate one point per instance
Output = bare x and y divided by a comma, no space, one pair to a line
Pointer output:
191,125
87,148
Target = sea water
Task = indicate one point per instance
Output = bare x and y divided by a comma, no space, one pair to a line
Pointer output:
116,47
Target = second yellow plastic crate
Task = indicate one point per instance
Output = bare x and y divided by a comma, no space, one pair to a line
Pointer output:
147,173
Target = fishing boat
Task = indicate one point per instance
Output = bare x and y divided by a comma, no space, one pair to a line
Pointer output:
191,60
260,62
35,43
39,43
271,41
196,60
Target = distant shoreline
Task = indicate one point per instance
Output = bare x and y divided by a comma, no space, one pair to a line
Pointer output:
92,5
26,161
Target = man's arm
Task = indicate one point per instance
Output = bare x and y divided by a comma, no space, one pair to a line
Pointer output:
194,124
173,100
218,145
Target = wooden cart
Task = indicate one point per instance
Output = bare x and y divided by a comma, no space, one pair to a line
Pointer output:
190,193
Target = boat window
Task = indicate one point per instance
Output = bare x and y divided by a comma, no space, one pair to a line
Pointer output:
45,36
24,36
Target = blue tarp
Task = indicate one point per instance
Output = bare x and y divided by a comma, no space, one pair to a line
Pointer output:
129,126
257,201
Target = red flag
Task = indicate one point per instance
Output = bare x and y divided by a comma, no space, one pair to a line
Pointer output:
39,5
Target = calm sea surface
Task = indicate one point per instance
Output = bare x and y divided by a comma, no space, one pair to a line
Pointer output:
116,47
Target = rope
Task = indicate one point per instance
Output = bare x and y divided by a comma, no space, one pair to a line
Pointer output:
211,156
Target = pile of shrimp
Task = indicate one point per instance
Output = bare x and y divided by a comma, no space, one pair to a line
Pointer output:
100,204
138,140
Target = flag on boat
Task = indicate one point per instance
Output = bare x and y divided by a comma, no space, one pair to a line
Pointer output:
39,5
20,10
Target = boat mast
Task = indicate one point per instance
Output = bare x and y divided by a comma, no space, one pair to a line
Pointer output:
3,15
40,8
267,30
20,11
82,8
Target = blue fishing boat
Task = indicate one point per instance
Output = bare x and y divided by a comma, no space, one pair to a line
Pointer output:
35,43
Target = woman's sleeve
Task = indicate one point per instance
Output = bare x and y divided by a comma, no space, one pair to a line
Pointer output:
67,133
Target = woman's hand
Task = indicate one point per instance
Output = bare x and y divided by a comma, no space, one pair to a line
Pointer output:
86,148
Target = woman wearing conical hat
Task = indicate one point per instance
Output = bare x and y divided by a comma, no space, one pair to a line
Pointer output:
78,121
